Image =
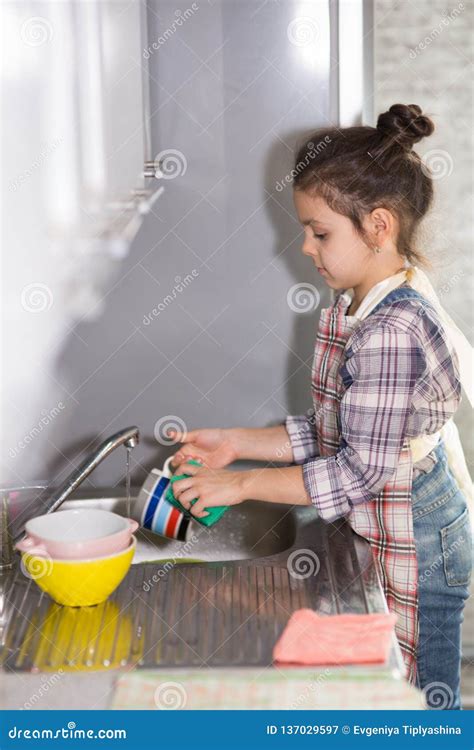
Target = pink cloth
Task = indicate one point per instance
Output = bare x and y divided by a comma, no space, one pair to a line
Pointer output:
309,638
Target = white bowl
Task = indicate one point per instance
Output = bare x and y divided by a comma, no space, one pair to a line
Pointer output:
73,534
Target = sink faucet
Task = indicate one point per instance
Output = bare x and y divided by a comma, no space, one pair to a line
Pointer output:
129,437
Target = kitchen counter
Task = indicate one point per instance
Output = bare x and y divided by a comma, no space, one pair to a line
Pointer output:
207,627
322,688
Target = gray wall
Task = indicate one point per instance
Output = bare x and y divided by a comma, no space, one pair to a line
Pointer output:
231,89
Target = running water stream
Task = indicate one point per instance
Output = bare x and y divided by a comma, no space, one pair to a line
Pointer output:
127,481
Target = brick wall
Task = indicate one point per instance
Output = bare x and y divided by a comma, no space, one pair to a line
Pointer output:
422,55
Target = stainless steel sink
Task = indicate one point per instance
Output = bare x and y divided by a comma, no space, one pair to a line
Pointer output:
247,531
259,563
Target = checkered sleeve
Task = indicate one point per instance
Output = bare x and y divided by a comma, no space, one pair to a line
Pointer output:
380,374
302,434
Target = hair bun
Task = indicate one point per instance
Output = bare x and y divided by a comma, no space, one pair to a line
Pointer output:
405,124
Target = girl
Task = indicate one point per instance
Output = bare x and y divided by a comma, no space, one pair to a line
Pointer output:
386,377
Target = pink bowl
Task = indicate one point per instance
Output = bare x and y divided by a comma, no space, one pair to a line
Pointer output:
77,534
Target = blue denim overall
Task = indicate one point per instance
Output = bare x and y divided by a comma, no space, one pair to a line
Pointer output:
443,541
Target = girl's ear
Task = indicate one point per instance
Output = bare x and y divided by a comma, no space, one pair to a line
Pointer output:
382,225
383,221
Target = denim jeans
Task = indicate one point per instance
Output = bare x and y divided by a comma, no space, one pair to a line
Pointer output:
443,541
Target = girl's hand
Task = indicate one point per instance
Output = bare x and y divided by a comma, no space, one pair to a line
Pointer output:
213,448
211,487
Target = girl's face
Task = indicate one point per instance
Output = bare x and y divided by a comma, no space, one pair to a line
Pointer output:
339,253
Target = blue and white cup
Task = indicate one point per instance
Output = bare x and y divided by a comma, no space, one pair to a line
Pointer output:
154,512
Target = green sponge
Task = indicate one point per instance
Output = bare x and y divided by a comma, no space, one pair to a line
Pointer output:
215,513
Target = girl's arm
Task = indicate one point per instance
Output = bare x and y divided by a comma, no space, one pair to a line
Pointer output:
262,443
275,486
294,441
223,487
218,447
219,486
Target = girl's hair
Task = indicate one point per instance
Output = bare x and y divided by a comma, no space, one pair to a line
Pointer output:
359,168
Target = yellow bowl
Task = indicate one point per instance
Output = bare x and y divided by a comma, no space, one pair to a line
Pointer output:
79,583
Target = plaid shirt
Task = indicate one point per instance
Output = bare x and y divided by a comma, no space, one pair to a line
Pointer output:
400,381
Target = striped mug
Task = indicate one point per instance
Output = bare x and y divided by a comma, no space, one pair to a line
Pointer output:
154,512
